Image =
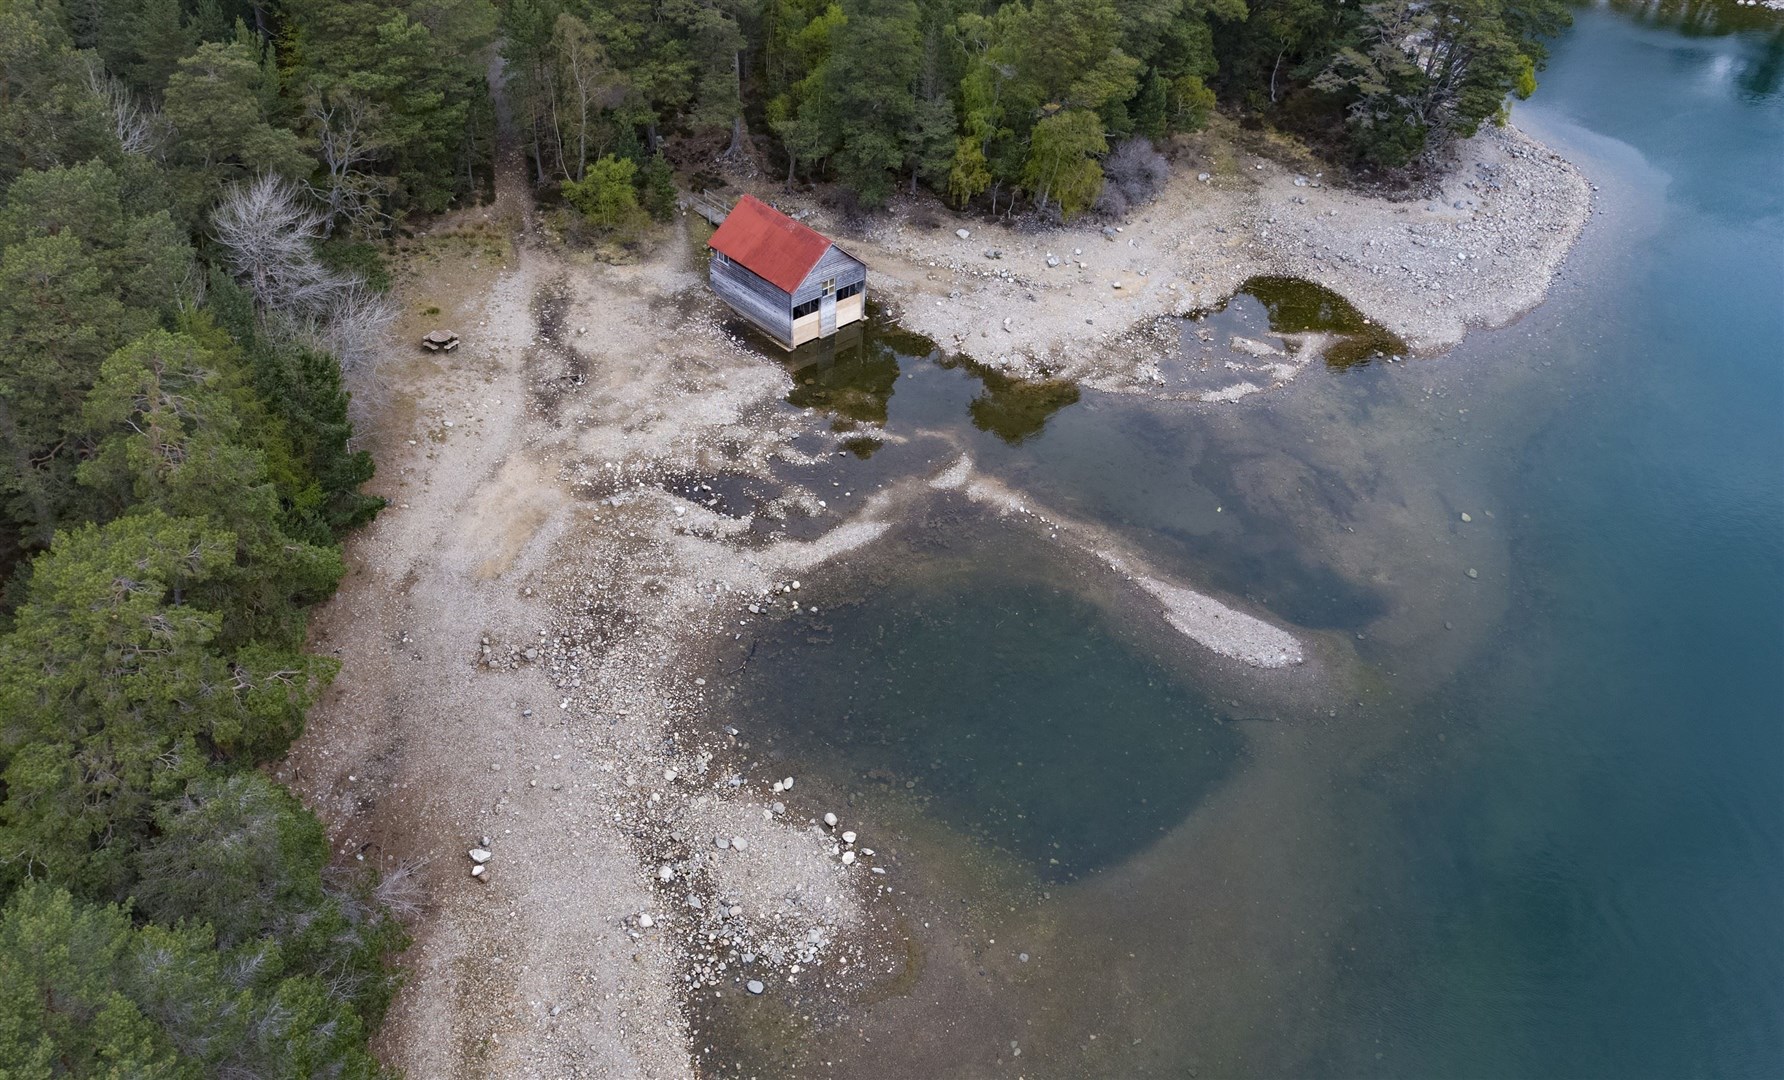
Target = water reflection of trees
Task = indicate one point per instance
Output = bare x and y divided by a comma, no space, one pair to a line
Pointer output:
853,376
1017,409
1762,74
849,376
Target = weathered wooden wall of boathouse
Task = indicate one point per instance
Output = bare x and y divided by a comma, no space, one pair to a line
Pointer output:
755,299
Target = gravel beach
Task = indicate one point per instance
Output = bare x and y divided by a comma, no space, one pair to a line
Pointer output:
527,634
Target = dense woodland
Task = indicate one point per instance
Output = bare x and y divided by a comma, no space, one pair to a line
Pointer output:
192,198
1005,105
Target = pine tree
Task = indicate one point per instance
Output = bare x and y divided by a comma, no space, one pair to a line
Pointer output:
112,694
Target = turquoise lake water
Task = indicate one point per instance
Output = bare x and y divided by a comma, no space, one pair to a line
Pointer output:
1548,839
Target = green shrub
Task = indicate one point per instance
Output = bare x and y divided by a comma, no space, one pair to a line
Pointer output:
605,195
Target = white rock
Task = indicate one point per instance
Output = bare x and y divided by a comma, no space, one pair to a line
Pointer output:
479,855
848,836
721,843
668,774
830,820
665,872
848,858
738,843
646,921
787,784
867,851
755,985
963,234
779,787
479,870
795,586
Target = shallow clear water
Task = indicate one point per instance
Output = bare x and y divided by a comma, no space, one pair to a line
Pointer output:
1553,848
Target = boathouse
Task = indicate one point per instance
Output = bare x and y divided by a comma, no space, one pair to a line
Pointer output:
788,279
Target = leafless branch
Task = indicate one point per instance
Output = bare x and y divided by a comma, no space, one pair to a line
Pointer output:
139,130
349,192
268,232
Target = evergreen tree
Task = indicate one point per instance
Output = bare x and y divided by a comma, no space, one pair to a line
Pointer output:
221,130
81,273
165,417
112,694
84,992
656,188
418,67
49,113
867,97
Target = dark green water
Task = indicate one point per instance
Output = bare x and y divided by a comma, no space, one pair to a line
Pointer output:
1559,850
1015,709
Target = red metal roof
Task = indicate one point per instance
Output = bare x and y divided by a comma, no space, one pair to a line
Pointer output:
768,243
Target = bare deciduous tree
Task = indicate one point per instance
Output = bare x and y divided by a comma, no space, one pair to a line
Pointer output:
1134,173
348,191
140,131
268,233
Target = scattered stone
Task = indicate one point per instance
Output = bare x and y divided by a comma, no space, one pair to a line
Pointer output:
1473,573
787,784
646,921
963,234
848,837
478,871
848,858
1204,177
755,985
738,843
665,872
1052,261
479,855
721,842
830,820
1465,517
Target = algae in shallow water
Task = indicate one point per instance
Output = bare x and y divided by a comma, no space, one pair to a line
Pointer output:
1289,305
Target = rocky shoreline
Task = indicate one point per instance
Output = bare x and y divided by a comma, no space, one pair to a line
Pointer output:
532,632
1081,302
